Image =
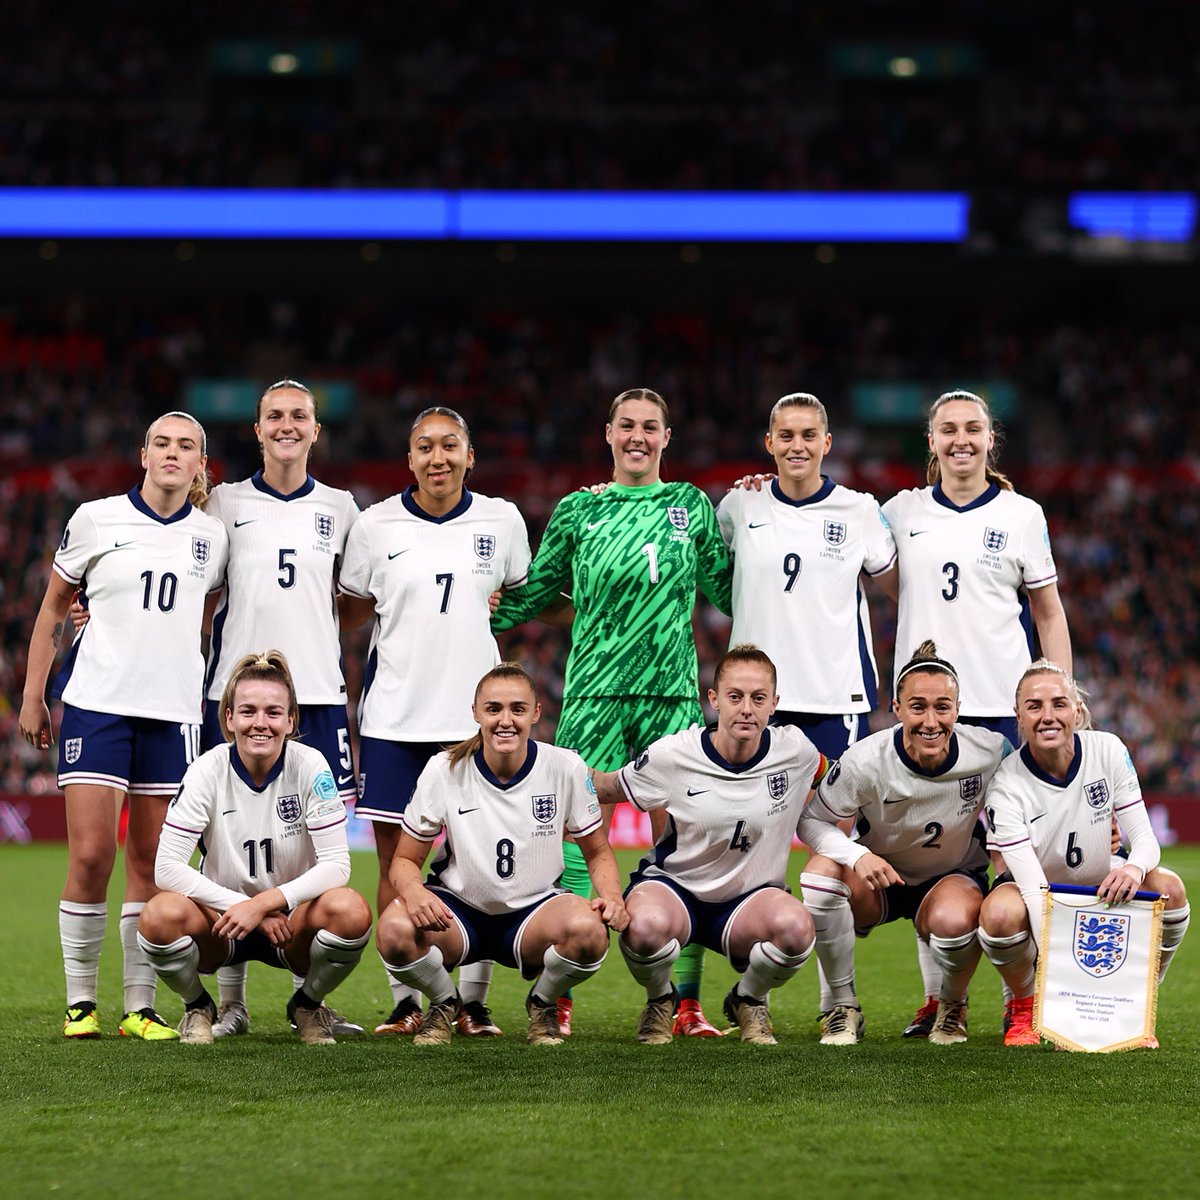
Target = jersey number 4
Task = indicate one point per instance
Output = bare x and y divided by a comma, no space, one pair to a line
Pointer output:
740,841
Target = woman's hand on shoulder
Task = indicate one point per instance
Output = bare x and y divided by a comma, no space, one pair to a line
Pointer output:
751,482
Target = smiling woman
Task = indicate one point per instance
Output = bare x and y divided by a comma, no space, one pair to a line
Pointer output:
131,689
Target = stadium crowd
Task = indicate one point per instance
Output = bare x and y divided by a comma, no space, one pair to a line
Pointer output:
573,99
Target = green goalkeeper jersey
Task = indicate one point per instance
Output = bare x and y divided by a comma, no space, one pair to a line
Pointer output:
630,559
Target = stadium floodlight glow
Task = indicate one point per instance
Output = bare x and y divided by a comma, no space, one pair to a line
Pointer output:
282,64
903,67
820,217
1137,216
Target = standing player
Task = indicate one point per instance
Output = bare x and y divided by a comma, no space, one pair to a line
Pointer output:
272,882
914,793
423,565
974,564
131,689
799,548
630,558
1050,810
716,877
504,802
287,535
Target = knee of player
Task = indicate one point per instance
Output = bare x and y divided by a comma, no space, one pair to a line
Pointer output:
585,936
395,935
347,914
164,917
648,931
1167,884
953,920
818,864
1003,913
792,928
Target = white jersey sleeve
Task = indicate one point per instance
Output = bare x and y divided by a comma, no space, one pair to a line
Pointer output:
285,552
146,578
503,848
924,823
962,570
729,827
430,579
797,590
287,834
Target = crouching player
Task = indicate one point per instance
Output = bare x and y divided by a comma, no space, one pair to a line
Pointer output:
504,801
1050,809
915,793
732,796
272,882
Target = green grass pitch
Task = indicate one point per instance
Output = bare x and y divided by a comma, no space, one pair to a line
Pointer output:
263,1116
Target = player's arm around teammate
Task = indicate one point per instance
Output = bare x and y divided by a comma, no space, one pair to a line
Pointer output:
131,689
715,878
914,793
1049,813
273,882
504,802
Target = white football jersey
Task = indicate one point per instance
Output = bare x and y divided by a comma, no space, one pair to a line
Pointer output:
146,579
729,827
925,823
430,578
504,841
797,593
962,571
1068,822
284,553
289,834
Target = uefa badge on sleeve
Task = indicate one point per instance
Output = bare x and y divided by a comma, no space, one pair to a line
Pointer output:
1097,973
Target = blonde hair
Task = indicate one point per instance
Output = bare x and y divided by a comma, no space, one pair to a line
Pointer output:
199,487
925,661
269,666
798,400
504,670
1043,666
933,470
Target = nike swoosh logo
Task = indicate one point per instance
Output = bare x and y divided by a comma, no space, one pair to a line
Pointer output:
917,532
462,812
344,779
596,524
122,545
226,811
759,525
396,555
901,800
1037,818
697,791
239,524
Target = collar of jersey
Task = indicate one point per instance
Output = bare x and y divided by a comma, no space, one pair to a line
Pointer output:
626,491
527,766
1044,775
951,757
263,486
735,768
827,486
135,498
985,497
239,769
407,498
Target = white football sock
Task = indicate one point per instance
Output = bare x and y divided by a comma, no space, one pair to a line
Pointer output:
957,958
559,973
828,903
330,960
81,932
177,965
1015,957
769,968
652,971
427,974
474,981
140,979
1174,926
231,984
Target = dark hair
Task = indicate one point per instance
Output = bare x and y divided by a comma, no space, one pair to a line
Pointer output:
933,470
271,667
285,385
746,653
438,410
504,670
798,400
640,394
925,661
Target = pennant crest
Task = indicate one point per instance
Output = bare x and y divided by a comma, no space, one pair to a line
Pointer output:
288,808
1101,942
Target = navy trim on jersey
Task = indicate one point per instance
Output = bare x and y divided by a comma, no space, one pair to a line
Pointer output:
1044,775
985,497
827,486
239,769
63,676
663,848
408,499
214,644
135,498
867,667
937,772
526,767
714,755
263,486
